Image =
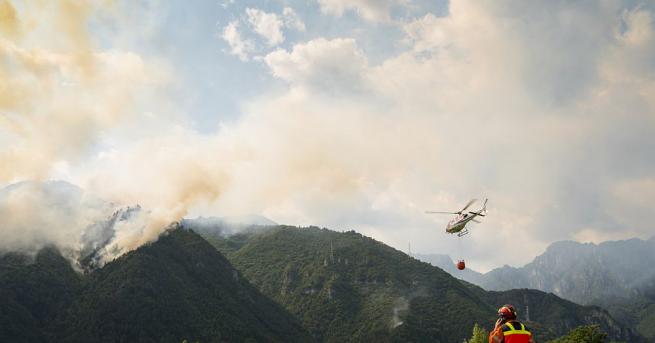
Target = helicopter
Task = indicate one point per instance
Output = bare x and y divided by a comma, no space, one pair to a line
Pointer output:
458,224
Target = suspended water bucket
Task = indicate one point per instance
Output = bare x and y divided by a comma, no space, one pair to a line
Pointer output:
461,265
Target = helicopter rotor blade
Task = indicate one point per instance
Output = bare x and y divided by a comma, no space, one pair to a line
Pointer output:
433,212
469,204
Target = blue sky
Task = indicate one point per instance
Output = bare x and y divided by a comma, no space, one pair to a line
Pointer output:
345,114
214,82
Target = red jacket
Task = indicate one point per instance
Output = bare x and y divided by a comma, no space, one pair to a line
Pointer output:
510,332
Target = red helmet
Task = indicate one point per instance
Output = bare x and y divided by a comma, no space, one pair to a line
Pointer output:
507,312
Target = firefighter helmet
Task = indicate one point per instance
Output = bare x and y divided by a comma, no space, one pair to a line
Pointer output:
507,312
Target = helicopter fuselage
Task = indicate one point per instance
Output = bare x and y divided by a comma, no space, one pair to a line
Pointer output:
459,223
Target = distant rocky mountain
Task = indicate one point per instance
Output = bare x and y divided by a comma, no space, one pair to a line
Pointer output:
177,288
347,287
617,275
585,273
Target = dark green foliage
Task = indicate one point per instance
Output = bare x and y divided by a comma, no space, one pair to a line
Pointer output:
33,293
340,287
347,287
177,288
583,334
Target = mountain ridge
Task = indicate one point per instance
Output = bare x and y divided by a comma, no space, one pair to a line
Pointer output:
305,269
176,288
612,268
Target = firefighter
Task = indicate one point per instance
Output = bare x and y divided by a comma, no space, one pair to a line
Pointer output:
508,329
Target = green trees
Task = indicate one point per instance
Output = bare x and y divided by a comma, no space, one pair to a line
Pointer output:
583,334
336,287
177,288
344,286
480,335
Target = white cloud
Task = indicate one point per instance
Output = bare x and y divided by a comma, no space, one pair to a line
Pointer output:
291,19
267,25
335,65
372,10
270,25
238,46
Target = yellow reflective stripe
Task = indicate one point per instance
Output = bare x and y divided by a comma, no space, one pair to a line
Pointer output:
516,332
513,331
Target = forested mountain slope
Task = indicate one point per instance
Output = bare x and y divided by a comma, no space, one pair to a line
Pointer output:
177,288
348,287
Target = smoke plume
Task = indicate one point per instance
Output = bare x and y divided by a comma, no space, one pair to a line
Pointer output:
540,115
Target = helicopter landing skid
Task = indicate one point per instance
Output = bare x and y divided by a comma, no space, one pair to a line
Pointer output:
463,233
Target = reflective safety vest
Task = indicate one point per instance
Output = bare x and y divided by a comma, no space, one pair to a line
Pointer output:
515,332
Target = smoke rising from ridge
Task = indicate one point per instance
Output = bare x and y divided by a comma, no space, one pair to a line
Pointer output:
60,96
541,115
36,214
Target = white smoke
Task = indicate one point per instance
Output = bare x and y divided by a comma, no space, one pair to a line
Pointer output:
35,214
400,307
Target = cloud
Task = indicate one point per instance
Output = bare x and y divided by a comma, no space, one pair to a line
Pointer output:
336,64
483,103
267,25
371,10
238,46
227,3
292,20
